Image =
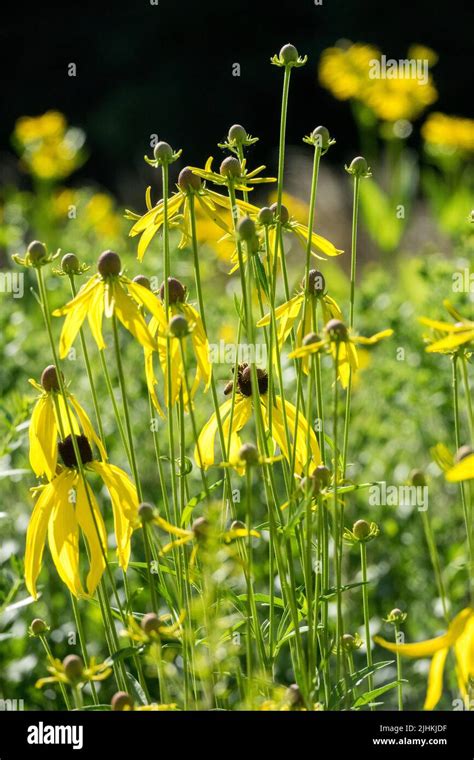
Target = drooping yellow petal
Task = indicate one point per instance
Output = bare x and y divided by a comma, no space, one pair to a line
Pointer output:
435,679
436,324
63,533
207,437
76,311
303,351
151,381
148,299
242,414
373,338
452,341
429,647
36,534
200,343
43,438
127,312
464,651
299,437
92,525
463,470
95,315
123,495
86,425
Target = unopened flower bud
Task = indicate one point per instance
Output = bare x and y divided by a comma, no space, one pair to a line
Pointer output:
188,181
231,168
36,251
237,134
248,453
310,338
176,291
109,264
237,525
336,330
200,528
323,474
122,701
179,326
265,216
417,478
321,137
358,167
38,627
73,667
70,264
463,452
163,152
288,54
350,642
316,282
361,529
246,229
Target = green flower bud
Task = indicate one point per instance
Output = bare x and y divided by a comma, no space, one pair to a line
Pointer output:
178,326
73,667
237,134
121,701
70,264
323,474
350,643
361,529
163,152
248,453
231,168
109,264
38,627
359,167
36,252
417,478
288,54
188,181
150,623
265,216
146,512
246,229
321,137
237,525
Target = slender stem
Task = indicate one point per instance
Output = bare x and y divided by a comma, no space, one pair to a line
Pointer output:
399,672
365,604
49,654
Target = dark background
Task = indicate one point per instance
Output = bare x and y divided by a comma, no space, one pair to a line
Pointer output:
167,69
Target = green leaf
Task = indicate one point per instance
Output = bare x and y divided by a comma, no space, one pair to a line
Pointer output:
263,599
330,593
192,503
369,696
124,653
137,690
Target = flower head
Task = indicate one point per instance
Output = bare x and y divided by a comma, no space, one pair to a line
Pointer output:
449,336
36,256
66,506
73,672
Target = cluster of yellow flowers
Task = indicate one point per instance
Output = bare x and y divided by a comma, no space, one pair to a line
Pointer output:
449,133
48,147
346,72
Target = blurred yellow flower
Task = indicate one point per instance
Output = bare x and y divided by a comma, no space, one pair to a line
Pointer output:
48,147
345,71
101,216
449,132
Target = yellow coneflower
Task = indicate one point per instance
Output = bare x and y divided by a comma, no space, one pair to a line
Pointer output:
458,467
71,671
49,419
108,293
243,409
460,638
341,344
449,133
152,627
184,320
459,333
287,314
64,506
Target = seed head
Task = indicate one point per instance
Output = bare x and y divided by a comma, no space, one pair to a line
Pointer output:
323,474
73,667
142,280
109,264
336,330
36,251
49,379
310,338
176,291
68,455
163,152
188,181
316,282
245,381
121,701
179,326
248,453
231,168
361,529
284,213
70,264
237,525
150,623
146,512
